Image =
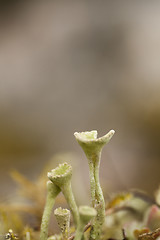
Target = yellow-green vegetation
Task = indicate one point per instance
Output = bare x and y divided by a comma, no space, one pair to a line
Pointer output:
131,215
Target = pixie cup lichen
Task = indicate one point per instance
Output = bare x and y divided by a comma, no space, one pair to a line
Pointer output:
52,192
86,213
61,176
63,220
92,146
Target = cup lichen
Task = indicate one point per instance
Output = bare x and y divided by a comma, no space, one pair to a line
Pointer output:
63,220
86,213
60,180
92,146
61,176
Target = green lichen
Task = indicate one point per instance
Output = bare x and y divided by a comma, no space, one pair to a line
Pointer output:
61,176
63,220
92,147
52,192
86,213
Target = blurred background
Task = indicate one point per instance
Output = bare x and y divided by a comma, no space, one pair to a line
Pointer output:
69,66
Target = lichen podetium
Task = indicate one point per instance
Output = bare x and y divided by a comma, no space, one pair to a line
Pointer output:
92,146
52,192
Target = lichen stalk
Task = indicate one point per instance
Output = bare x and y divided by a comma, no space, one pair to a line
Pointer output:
92,182
99,203
79,231
52,192
68,193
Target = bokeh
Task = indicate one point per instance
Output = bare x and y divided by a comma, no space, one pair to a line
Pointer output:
69,66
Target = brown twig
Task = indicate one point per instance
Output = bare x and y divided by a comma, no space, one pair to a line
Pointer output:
150,236
124,234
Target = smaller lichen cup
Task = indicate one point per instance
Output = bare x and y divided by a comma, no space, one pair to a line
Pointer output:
61,176
63,220
86,213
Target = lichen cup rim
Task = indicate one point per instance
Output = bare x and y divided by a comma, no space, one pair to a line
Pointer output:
87,211
60,174
91,136
61,211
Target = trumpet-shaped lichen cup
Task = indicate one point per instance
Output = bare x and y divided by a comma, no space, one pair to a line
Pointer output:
92,147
